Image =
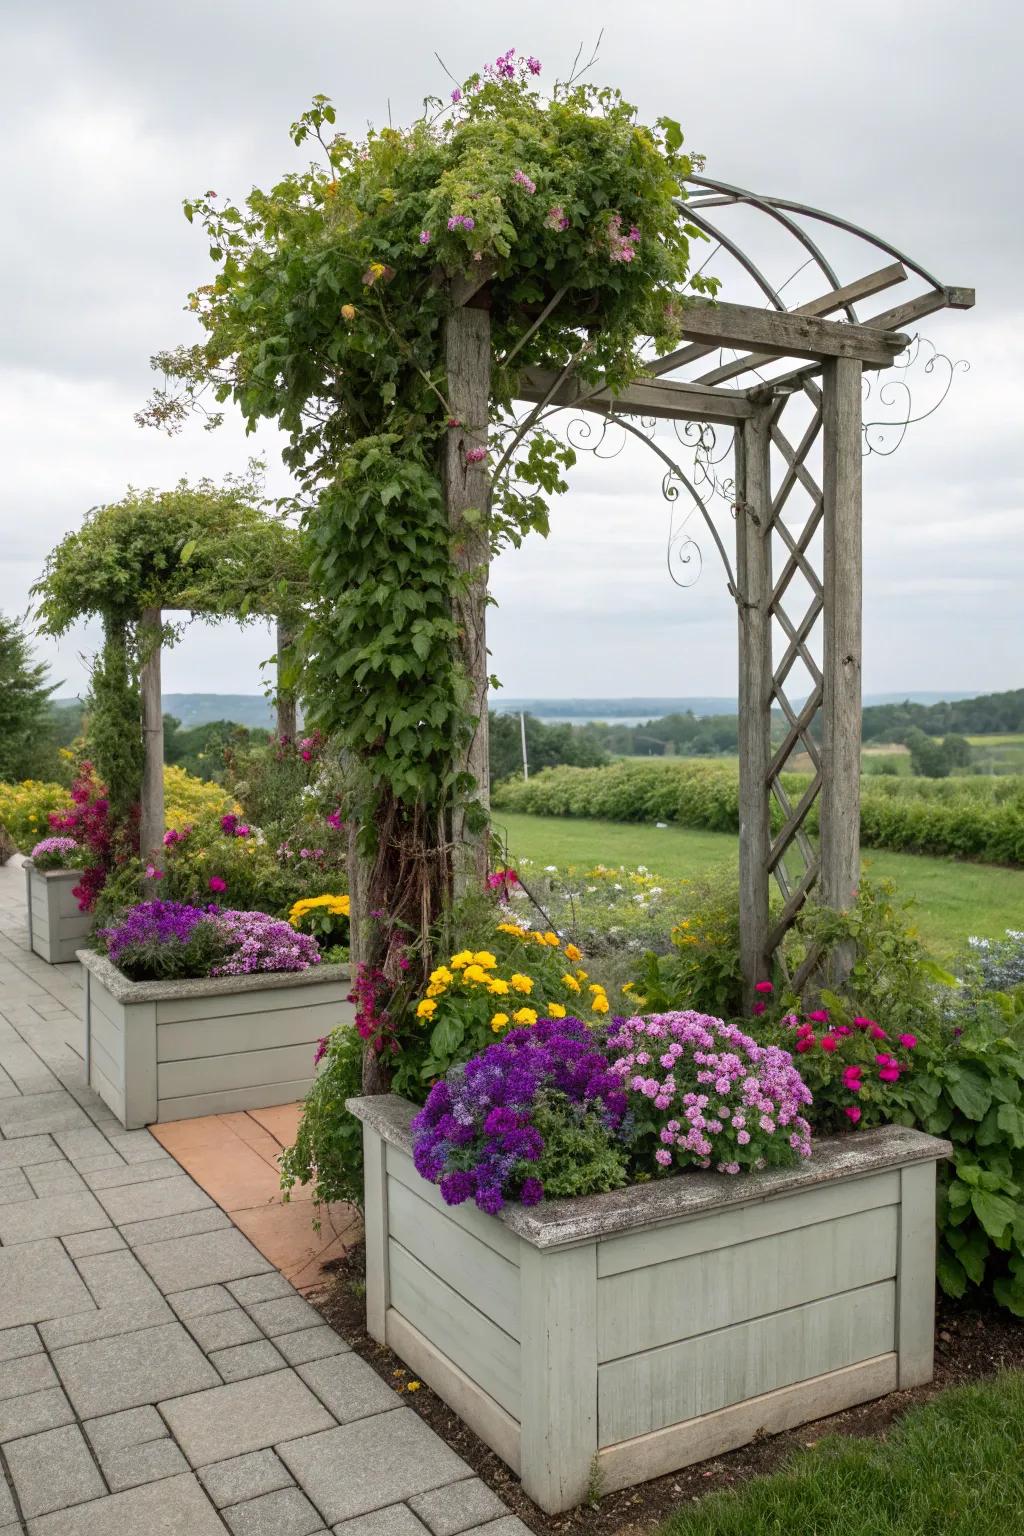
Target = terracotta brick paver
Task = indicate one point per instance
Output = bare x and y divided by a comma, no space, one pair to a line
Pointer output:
234,1158
158,1376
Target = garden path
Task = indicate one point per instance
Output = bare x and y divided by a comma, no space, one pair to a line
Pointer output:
158,1376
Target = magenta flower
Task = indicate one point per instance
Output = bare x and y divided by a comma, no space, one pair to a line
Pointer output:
852,1112
533,65
908,1042
522,180
424,237
321,1051
820,1016
475,455
456,95
764,986
758,1008
217,884
152,873
828,1043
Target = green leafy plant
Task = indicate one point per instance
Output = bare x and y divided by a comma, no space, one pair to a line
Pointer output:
328,1149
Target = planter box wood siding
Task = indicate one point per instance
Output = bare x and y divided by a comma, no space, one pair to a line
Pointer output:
56,927
626,1335
174,1050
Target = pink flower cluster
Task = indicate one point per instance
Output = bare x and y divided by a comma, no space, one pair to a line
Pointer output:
718,1098
461,221
817,1032
522,180
621,247
555,218
475,455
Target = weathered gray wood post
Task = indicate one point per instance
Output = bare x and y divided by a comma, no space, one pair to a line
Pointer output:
284,697
151,821
467,355
842,582
754,581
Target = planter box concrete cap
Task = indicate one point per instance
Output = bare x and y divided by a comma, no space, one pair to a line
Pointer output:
557,1223
619,1337
122,990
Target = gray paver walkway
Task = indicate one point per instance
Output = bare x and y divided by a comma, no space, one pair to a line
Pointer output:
157,1376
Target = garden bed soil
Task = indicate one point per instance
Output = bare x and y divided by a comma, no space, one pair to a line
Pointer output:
972,1342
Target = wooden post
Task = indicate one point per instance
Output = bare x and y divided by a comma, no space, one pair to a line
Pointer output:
467,353
284,698
842,582
754,579
151,821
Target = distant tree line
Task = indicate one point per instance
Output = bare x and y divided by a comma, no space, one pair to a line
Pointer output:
993,714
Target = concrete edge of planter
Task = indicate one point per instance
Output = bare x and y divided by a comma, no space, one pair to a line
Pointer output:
557,1223
125,991
52,874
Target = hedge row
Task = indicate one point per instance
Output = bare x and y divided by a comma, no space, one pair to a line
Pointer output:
964,818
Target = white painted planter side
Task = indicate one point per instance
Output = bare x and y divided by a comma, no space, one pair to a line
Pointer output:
56,926
623,1336
171,1051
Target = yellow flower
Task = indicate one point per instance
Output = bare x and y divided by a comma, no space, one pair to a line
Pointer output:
521,983
595,986
571,982
513,928
463,958
474,973
486,959
426,1009
600,1004
498,1021
525,1016
348,311
551,939
555,1011
572,953
498,987
414,1386
436,989
582,974
628,987
442,974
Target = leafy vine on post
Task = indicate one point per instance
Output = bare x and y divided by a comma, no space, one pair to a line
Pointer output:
380,306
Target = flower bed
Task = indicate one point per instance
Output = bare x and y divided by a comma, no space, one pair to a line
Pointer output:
619,1336
196,1011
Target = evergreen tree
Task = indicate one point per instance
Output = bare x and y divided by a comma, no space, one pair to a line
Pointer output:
24,704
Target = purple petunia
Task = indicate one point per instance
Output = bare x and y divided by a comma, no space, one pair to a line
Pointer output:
475,1135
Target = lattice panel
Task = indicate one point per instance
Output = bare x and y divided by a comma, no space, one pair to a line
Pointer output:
796,608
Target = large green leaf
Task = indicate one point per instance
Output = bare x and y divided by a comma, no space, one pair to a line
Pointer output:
995,1212
969,1090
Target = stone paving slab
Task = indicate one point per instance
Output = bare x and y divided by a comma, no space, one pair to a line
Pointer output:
177,1265
285,1513
52,1470
396,1520
34,1412
459,1507
244,1416
367,1465
244,1477
55,1215
133,1369
38,1281
175,1507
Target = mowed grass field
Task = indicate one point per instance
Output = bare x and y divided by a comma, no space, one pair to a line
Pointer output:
953,899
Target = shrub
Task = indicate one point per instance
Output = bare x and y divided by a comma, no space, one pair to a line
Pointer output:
702,1093
973,818
187,798
479,1137
25,809
328,1150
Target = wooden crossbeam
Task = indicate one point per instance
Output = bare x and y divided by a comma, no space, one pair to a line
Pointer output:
662,398
827,304
778,333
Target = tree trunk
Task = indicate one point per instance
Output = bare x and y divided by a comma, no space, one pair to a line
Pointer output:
151,820
285,701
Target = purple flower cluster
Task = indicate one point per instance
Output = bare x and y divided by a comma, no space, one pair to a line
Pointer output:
259,942
475,1135
152,923
522,180
709,1094
461,221
56,853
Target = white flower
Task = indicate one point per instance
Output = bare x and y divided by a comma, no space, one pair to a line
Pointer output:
551,869
641,869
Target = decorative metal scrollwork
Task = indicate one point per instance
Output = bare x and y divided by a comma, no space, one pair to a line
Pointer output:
884,434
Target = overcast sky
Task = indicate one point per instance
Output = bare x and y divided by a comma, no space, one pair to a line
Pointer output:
904,115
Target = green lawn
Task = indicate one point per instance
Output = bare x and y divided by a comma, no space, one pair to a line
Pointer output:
953,899
952,1468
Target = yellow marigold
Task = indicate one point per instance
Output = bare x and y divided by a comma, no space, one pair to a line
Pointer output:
442,974
521,983
436,989
600,1004
348,311
498,1021
571,982
595,986
551,939
463,958
628,987
426,1009
486,959
582,974
572,953
475,973
512,928
525,1016
498,986
554,1010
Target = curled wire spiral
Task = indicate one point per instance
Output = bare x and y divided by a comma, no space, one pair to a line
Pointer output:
882,435
682,552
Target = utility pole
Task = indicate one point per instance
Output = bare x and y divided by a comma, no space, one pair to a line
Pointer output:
522,734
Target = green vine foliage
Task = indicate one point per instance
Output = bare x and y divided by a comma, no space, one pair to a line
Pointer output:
327,315
113,714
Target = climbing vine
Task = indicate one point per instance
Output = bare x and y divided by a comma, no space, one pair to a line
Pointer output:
560,213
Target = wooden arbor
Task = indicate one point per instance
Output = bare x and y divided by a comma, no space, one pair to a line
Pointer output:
796,499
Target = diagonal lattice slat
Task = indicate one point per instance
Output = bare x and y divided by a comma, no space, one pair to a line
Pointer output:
793,859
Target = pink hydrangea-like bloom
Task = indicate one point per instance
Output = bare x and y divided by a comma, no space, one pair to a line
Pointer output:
475,455
533,65
424,237
521,179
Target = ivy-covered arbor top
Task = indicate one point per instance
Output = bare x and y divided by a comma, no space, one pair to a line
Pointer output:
387,306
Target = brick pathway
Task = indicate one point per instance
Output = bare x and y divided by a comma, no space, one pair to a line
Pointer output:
158,1376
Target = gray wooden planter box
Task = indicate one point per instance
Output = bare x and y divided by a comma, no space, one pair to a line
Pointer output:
172,1050
603,1341
56,927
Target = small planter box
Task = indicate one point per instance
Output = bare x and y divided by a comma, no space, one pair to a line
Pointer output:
56,927
158,1050
603,1341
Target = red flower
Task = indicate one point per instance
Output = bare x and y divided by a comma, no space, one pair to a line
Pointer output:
217,884
829,1043
852,1112
764,986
